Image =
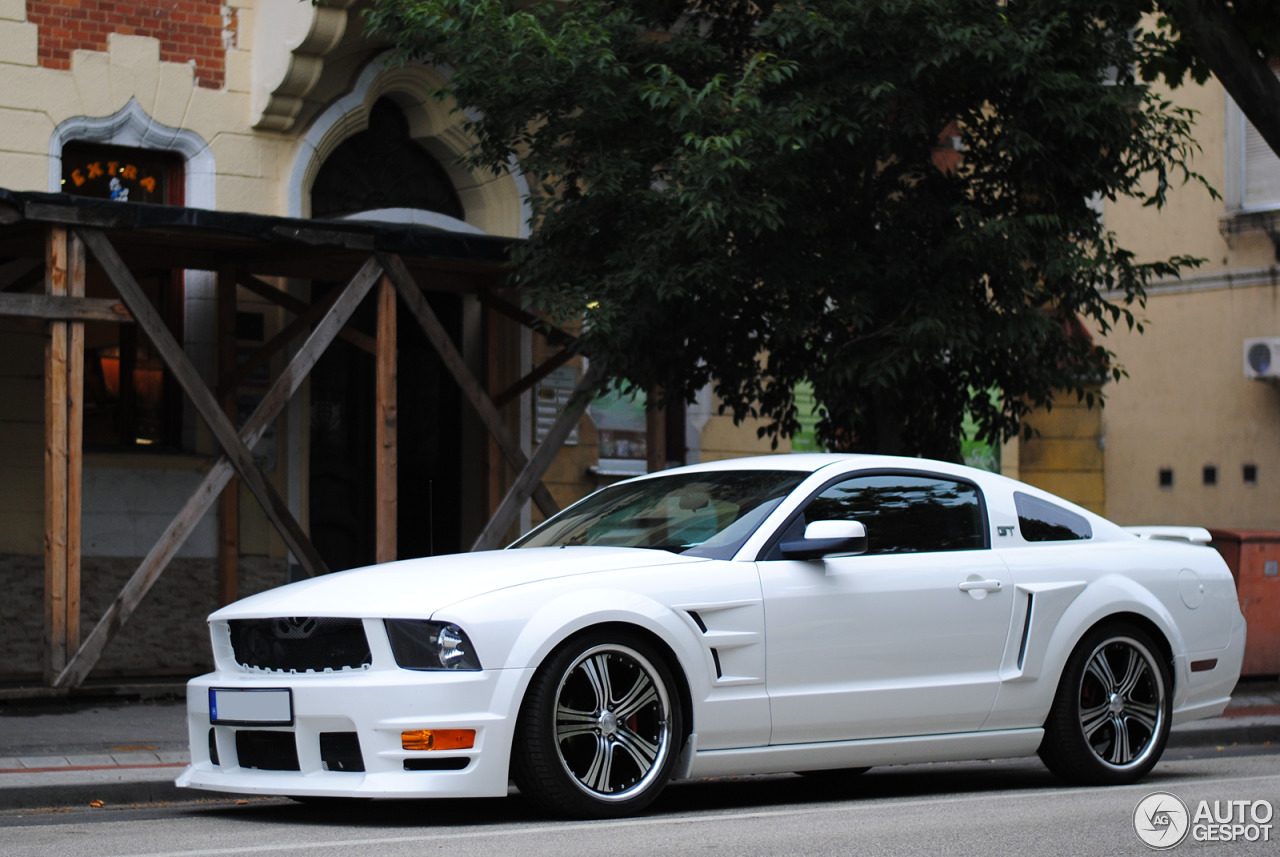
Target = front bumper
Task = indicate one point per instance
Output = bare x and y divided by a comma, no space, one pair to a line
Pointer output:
345,737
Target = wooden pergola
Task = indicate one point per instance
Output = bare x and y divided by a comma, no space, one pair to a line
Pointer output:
61,235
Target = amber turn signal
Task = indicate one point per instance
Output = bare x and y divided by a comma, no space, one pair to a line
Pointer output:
438,739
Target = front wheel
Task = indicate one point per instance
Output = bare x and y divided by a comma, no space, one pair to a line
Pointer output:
1110,719
598,732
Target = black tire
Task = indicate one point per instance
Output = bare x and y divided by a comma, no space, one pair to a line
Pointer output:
599,730
1110,718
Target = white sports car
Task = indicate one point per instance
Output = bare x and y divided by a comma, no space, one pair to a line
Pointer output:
786,613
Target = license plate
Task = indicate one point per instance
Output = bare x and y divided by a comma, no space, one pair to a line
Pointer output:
258,707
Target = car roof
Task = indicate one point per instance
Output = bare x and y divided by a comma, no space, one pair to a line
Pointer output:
811,462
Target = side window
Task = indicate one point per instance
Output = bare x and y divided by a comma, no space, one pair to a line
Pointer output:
1042,521
906,513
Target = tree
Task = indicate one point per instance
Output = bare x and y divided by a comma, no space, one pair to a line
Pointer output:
895,200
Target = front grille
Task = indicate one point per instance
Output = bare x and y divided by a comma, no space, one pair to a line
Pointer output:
267,751
300,644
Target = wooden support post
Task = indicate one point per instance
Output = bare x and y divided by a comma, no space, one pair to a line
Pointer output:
55,464
75,441
118,613
64,439
655,429
386,498
229,499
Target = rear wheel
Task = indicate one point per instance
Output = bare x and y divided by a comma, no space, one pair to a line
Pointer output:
598,732
1110,719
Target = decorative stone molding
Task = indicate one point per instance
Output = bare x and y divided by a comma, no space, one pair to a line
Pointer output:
1252,221
292,42
131,126
494,205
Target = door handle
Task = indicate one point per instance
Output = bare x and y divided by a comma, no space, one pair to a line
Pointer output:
983,585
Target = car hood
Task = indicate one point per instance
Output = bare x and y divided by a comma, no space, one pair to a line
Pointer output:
415,588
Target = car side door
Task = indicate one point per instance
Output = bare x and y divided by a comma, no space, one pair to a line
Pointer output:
904,639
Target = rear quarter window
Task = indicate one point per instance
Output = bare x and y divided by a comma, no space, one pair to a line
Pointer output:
1042,521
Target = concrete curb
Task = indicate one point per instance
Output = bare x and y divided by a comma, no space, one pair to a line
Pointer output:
77,787
36,788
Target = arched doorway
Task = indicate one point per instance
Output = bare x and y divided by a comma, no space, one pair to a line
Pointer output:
380,168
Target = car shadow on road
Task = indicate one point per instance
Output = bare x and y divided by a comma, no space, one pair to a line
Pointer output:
710,795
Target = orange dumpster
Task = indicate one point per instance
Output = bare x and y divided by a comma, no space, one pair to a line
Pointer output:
1254,559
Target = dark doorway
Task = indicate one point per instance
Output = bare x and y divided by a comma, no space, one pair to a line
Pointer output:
429,434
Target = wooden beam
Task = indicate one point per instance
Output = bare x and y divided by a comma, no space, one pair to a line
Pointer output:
262,356
55,464
167,546
206,405
64,308
457,366
386,498
528,382
22,274
531,476
281,298
229,499
553,334
75,441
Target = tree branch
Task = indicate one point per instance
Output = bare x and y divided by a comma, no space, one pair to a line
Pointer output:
1240,68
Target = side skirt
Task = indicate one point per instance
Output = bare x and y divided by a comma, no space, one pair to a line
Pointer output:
1007,743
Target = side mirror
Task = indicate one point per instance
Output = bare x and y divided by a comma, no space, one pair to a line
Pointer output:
827,538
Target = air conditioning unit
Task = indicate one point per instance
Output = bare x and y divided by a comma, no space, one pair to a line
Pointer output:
1262,357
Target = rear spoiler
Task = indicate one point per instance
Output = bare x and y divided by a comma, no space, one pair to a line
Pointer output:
1194,535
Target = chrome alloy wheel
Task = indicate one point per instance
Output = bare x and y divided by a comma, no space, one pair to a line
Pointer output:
1122,702
613,722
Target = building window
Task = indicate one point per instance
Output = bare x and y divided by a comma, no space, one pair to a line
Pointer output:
1166,477
383,167
131,400
1210,475
1250,474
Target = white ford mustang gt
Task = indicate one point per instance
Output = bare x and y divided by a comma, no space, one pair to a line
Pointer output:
786,613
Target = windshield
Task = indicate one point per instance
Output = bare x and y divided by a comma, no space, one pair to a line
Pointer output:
699,514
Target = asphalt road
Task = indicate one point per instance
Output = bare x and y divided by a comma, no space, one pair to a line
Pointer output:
978,808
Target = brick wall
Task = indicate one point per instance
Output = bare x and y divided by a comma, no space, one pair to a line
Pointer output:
189,30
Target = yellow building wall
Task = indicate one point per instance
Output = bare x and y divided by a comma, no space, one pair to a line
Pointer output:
1065,453
1186,404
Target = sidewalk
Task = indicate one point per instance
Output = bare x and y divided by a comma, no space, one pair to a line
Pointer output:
57,753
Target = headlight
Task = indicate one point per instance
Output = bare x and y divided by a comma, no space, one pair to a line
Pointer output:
422,645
